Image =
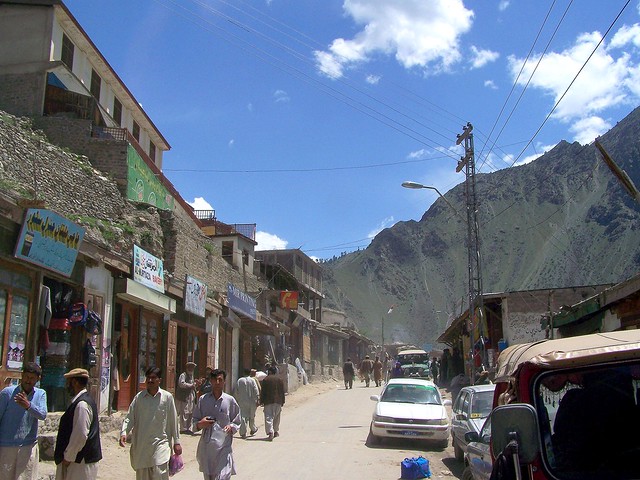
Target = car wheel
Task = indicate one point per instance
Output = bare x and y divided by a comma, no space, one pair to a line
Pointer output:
372,439
443,443
467,475
457,450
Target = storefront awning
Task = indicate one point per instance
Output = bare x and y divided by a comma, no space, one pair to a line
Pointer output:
262,325
138,294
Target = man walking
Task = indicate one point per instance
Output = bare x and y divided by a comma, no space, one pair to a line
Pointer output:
377,372
348,372
366,367
78,448
218,415
272,397
186,397
248,396
153,420
20,409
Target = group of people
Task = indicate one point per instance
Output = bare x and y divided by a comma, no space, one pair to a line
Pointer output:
366,369
152,425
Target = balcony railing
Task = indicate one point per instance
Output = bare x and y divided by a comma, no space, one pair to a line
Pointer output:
205,214
109,133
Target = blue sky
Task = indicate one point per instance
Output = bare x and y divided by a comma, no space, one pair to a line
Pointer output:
305,116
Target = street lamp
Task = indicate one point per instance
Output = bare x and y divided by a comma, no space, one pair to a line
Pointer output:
416,186
475,279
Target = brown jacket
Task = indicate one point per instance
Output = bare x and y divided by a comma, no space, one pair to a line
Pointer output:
272,390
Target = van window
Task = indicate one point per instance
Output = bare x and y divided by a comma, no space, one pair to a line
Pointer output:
582,415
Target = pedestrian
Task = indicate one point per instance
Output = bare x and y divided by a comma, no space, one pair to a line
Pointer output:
254,377
272,397
205,383
186,397
248,397
21,406
348,372
434,370
444,368
396,371
78,448
377,372
153,419
366,367
218,415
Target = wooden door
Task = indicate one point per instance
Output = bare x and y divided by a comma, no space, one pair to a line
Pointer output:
170,367
126,349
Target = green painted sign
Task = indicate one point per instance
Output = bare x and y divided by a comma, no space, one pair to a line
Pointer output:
142,184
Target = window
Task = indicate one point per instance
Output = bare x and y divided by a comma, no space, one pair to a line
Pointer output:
96,83
148,352
152,151
136,131
227,252
14,317
117,111
67,51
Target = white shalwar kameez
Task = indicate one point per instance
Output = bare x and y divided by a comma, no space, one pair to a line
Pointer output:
215,455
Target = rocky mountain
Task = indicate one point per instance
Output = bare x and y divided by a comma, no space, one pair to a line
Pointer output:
563,220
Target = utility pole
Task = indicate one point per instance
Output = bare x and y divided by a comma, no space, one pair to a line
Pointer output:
467,162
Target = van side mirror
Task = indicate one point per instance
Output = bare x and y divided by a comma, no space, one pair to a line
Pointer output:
470,437
519,419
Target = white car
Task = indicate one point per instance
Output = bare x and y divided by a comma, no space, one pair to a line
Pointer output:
410,408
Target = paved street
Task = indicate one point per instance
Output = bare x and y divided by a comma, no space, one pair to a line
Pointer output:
323,435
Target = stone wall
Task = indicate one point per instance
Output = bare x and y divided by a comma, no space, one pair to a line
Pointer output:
22,94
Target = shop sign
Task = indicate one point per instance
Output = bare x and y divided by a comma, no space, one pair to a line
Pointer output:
143,185
240,301
195,296
49,240
147,269
289,300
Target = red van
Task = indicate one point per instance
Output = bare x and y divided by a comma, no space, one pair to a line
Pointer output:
569,409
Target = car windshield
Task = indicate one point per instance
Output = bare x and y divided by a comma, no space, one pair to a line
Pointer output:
424,394
481,403
586,419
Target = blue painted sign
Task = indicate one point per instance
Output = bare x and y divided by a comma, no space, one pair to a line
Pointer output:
240,301
148,269
49,240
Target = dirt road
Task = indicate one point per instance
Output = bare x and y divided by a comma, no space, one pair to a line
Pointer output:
322,435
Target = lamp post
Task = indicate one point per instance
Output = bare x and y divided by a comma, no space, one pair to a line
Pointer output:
475,281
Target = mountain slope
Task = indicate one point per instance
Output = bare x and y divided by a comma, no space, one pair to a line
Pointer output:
562,220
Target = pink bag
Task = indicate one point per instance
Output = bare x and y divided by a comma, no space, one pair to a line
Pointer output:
175,464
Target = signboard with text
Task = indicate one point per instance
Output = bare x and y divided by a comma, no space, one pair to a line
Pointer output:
49,240
195,296
240,301
147,269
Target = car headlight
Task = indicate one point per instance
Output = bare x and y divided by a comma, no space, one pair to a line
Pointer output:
380,418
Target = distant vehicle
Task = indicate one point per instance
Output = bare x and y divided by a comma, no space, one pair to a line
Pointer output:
477,458
410,408
471,408
571,404
416,356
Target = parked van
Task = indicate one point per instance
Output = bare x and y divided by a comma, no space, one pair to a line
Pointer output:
414,363
569,408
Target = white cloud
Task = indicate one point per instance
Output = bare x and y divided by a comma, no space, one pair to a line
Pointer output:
280,96
601,83
250,107
200,203
373,79
626,35
482,57
387,222
419,154
269,241
503,5
231,143
490,84
419,33
587,129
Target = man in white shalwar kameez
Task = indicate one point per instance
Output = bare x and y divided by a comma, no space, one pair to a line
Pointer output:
218,415
248,397
153,422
